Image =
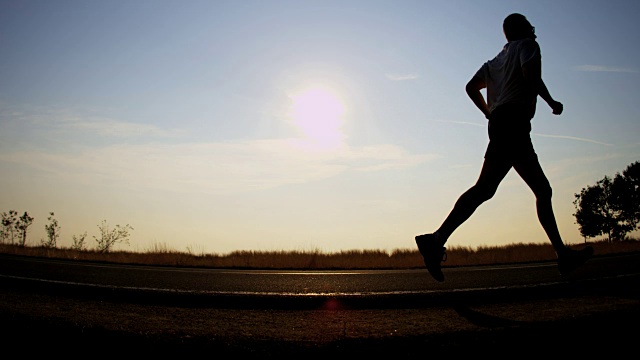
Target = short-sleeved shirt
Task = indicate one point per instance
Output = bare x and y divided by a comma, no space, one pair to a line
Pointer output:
511,102
504,79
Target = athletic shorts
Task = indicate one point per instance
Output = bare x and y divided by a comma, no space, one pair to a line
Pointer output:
510,135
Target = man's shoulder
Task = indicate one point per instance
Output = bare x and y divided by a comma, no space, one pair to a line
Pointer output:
526,50
526,44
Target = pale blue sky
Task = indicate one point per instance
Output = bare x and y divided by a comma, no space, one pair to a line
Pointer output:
213,126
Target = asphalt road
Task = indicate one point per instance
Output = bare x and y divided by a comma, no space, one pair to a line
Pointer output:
400,313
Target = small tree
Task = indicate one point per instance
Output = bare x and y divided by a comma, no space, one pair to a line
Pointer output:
590,212
8,232
78,241
21,227
108,238
628,186
53,232
611,207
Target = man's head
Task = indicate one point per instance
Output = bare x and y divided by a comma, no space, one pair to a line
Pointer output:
517,27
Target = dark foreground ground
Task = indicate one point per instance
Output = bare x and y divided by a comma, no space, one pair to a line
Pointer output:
565,321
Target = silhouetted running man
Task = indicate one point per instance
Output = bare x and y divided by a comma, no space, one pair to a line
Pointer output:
513,80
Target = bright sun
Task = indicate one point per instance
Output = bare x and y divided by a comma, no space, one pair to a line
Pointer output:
318,114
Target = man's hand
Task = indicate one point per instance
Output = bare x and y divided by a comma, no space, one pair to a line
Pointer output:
556,107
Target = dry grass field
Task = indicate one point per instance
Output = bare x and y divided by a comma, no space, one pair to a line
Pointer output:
317,260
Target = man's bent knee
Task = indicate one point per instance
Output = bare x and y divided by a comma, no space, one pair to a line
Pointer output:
482,193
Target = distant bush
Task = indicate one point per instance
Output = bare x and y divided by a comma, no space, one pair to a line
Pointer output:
53,232
109,237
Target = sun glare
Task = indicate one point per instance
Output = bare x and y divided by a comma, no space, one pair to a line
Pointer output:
319,116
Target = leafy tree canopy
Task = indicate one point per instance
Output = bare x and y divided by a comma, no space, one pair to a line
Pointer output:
611,207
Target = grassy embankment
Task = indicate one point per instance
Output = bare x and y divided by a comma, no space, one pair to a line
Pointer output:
317,260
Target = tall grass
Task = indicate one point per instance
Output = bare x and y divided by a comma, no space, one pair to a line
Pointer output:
318,260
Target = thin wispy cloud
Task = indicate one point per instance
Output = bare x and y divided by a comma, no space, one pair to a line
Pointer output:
603,68
76,122
193,167
461,166
536,134
112,128
573,138
401,77
632,145
212,168
463,122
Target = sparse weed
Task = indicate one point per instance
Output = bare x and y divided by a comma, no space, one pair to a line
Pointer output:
53,232
109,237
78,242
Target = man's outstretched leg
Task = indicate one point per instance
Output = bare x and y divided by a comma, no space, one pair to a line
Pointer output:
431,246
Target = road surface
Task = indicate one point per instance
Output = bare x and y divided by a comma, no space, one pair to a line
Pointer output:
274,314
